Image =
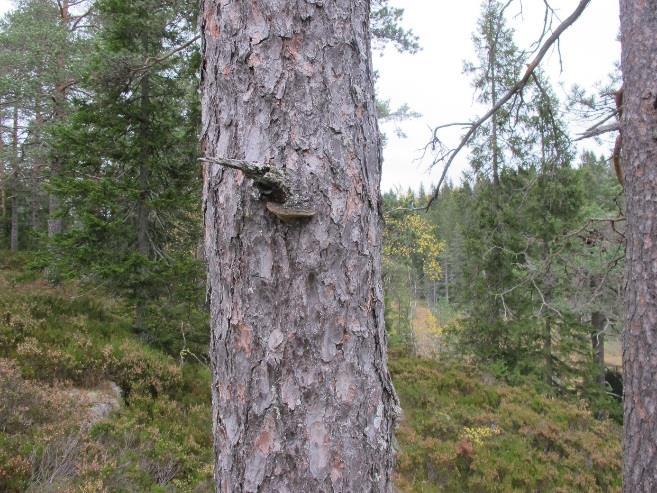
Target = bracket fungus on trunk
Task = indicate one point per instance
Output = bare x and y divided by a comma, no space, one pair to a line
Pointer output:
289,212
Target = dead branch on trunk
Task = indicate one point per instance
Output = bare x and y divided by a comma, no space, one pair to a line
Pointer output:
449,156
284,201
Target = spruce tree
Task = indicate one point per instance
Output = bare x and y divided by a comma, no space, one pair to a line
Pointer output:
130,179
523,212
498,64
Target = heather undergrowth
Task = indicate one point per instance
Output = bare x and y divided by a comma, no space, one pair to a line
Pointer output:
462,429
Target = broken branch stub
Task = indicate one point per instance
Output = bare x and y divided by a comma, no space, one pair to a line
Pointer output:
270,181
283,201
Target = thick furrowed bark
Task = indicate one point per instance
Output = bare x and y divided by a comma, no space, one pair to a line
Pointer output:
639,161
302,400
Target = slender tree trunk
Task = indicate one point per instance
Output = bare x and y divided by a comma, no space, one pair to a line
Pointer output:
492,34
3,183
34,198
598,321
639,161
547,351
446,280
143,246
302,399
14,184
14,218
56,223
36,170
493,96
434,300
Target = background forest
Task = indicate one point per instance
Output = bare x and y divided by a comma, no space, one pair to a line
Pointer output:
502,289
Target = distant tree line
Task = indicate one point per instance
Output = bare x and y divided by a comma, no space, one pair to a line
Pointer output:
531,244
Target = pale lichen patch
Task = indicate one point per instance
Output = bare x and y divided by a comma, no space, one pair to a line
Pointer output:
345,389
244,336
290,394
318,446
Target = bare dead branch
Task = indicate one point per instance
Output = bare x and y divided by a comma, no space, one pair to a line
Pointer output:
596,131
152,61
270,180
517,88
79,18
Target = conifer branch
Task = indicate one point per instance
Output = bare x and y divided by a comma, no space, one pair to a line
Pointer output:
516,89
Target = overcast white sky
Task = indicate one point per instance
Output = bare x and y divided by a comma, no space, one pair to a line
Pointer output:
432,83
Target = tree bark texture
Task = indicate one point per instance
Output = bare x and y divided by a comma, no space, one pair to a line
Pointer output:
302,399
639,160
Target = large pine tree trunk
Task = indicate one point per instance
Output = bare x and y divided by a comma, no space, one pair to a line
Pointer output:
302,399
639,132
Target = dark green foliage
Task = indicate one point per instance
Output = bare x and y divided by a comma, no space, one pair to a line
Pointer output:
503,141
534,274
385,26
130,186
540,260
39,53
511,235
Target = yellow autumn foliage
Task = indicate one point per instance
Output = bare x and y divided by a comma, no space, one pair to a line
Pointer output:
477,434
413,235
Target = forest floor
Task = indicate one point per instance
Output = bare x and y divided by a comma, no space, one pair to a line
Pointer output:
63,353
426,330
614,352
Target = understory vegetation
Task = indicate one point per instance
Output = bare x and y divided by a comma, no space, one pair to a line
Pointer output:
57,343
463,428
